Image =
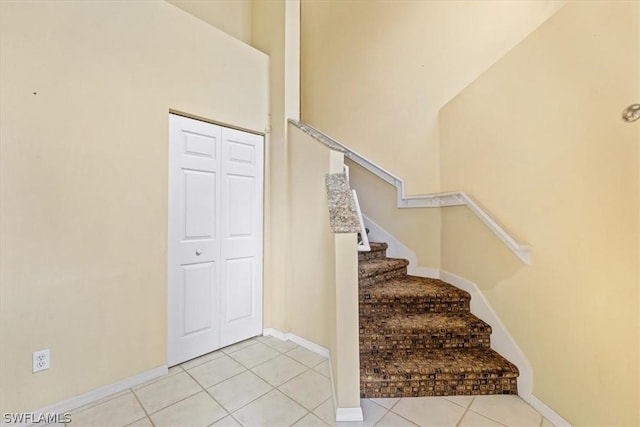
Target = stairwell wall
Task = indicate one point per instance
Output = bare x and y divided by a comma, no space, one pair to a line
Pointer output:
375,74
538,139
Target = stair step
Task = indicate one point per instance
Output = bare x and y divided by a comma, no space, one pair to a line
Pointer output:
378,250
400,333
379,270
410,294
437,372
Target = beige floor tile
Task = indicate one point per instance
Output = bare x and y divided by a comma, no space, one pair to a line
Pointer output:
226,422
202,359
272,409
547,423
117,412
310,420
145,422
463,401
326,412
324,368
238,346
429,411
279,370
471,419
386,402
254,355
237,391
163,393
195,411
394,420
281,346
309,389
216,371
507,410
306,357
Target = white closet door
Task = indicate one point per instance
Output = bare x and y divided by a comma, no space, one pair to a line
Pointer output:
215,238
241,215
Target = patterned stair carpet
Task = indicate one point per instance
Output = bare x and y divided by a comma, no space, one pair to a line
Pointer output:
418,337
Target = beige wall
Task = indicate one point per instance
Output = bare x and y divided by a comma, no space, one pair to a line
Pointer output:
375,74
268,35
539,141
418,229
231,16
311,292
86,91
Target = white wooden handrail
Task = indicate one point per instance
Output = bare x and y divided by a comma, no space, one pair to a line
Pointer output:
436,200
363,245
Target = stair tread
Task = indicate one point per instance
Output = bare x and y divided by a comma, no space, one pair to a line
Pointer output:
412,287
467,362
376,266
407,323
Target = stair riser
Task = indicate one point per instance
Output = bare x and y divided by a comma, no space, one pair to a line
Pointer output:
366,256
372,309
413,344
438,387
381,277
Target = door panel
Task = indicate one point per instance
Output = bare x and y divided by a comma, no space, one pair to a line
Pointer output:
240,200
197,296
242,170
239,283
199,210
194,244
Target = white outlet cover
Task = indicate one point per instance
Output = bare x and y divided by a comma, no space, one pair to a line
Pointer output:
40,360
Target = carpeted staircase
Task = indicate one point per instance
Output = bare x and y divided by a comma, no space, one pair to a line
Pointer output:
418,337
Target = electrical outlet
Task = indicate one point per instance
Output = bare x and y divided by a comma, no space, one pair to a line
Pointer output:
40,360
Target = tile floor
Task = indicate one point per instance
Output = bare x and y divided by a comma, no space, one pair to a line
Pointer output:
267,382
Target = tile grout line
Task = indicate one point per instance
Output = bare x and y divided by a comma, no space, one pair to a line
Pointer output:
202,389
300,403
237,350
143,408
299,419
466,410
399,415
247,367
383,415
246,404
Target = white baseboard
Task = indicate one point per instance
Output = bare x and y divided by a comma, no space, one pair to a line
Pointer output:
302,342
97,394
349,414
501,340
546,411
342,414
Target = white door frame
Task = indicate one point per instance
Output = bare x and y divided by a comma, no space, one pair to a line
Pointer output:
240,316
